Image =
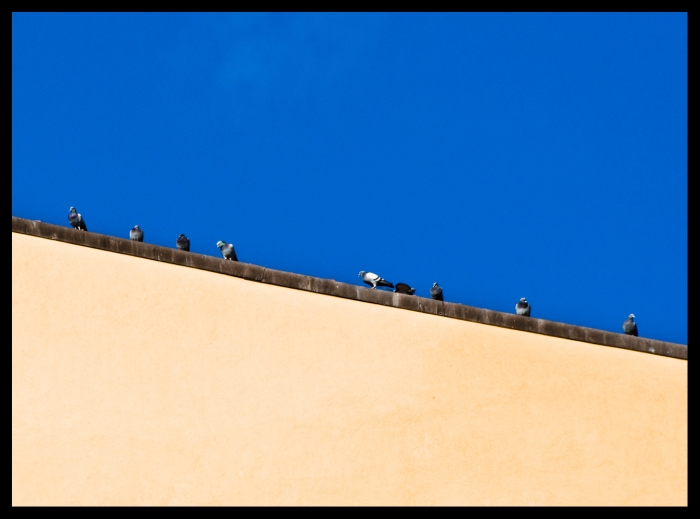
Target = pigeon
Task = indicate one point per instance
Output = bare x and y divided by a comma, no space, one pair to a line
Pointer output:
436,292
76,220
183,243
403,288
374,280
136,234
523,307
227,250
629,326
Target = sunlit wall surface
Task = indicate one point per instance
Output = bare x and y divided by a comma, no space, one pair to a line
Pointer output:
143,383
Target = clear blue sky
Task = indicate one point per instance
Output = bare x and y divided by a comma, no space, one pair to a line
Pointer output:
501,155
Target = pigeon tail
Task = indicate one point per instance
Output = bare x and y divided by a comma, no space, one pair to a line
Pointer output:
381,282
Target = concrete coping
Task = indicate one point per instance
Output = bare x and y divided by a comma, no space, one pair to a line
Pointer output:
334,288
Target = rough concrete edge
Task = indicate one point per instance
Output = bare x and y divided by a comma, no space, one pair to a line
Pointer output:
337,289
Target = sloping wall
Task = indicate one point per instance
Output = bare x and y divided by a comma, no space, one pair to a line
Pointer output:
143,383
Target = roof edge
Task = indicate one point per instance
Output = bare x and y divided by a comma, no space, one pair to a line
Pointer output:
334,288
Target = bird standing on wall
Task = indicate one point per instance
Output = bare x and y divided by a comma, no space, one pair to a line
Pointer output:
227,250
373,280
436,292
136,234
629,326
523,307
183,243
76,219
403,288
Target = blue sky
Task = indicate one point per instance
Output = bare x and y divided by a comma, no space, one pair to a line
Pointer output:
501,155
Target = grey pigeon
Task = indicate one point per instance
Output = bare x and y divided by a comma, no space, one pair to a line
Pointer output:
136,234
436,292
183,243
629,326
373,280
403,288
227,250
76,220
523,307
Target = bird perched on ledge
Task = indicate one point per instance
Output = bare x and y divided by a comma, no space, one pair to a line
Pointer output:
227,250
403,288
523,307
183,243
436,292
629,326
136,234
373,280
76,219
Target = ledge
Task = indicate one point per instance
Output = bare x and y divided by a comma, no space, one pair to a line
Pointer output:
334,288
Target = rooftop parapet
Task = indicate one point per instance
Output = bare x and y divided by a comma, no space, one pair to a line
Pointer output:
334,288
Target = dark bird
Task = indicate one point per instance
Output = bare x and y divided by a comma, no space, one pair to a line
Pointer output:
403,288
183,243
136,234
629,326
76,220
523,307
373,280
436,292
227,250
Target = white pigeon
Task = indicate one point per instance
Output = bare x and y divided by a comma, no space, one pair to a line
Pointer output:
373,280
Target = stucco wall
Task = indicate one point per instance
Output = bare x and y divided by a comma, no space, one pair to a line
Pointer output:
138,382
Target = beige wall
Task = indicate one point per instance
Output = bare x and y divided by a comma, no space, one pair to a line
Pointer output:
137,382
